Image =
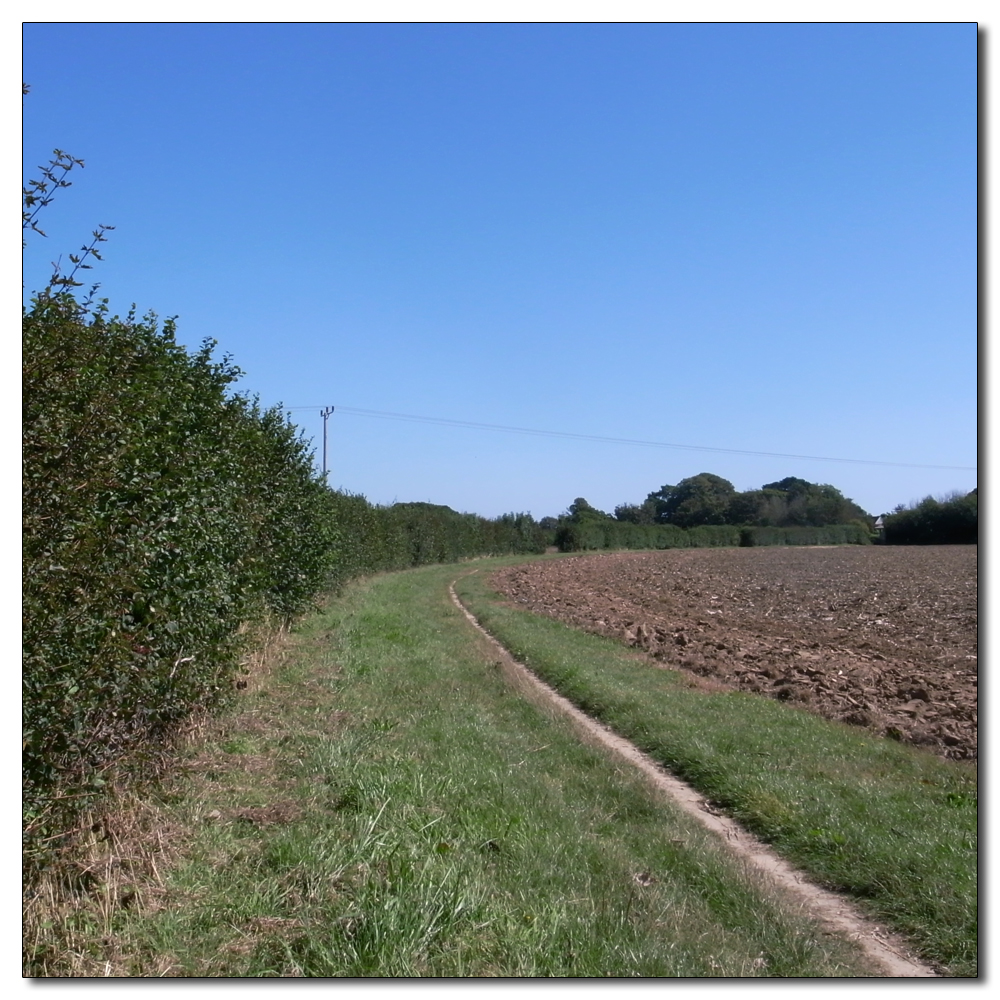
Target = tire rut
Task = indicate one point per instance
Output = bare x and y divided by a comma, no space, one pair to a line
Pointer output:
831,910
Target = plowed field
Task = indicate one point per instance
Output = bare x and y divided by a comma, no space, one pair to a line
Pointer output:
878,636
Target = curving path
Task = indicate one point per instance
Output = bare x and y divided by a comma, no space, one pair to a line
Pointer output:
831,910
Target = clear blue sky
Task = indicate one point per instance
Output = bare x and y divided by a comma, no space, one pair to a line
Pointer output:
752,237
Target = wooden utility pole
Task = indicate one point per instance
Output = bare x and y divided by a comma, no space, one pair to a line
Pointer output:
325,414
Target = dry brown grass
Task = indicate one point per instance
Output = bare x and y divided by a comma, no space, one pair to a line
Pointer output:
114,858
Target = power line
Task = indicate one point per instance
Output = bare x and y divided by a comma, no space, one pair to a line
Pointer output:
444,421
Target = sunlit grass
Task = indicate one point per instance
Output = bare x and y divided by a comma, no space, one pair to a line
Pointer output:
387,806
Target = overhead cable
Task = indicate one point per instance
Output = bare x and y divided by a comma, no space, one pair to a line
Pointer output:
475,425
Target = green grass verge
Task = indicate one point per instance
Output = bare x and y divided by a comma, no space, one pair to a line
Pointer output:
891,825
386,805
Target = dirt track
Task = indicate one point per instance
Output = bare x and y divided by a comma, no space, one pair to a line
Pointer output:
881,637
886,950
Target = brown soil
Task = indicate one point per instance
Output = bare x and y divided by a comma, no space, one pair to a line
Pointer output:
881,637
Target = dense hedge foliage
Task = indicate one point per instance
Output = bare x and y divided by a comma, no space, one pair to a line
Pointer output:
159,516
594,534
856,533
606,533
162,516
936,522
370,539
586,528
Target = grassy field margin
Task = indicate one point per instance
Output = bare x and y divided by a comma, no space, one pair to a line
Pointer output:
890,825
383,804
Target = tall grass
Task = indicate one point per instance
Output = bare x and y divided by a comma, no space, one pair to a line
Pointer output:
388,806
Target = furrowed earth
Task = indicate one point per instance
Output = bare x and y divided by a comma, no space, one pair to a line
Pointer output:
883,637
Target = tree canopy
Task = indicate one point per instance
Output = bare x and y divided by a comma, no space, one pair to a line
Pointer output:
701,499
707,499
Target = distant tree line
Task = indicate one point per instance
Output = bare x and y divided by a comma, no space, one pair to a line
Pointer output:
708,499
708,510
952,521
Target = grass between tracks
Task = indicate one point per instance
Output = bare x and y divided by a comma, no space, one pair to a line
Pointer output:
892,826
385,805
